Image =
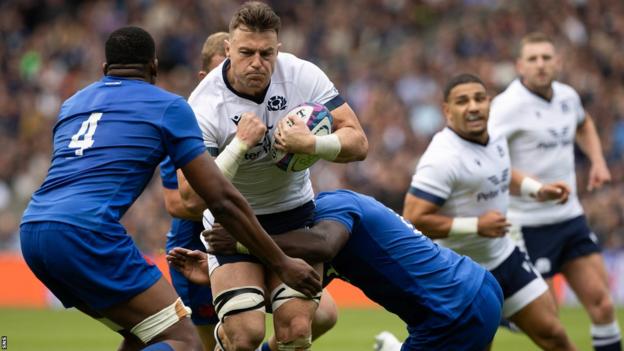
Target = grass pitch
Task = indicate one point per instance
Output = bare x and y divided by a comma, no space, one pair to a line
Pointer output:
69,330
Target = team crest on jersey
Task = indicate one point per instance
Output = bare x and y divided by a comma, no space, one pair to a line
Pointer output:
276,103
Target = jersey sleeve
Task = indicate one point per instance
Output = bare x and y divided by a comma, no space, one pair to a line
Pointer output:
316,86
578,109
434,178
339,207
182,136
499,122
168,174
207,119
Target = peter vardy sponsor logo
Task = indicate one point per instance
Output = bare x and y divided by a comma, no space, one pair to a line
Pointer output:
501,182
487,195
261,148
559,137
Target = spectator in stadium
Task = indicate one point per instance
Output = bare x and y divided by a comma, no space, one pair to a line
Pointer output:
108,139
185,228
541,119
257,86
459,195
447,301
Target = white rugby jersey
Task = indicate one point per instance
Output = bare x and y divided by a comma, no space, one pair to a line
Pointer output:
218,108
467,179
541,138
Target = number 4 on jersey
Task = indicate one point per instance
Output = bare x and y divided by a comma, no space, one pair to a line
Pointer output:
84,138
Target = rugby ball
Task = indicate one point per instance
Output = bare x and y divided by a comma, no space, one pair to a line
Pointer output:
319,120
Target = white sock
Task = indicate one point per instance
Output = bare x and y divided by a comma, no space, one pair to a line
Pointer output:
606,337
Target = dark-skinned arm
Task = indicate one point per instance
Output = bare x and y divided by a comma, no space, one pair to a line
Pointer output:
319,244
231,209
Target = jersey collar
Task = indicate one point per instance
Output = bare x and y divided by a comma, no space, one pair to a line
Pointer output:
468,140
545,99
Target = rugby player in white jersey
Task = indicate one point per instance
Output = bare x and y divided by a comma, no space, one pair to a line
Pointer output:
541,119
459,195
255,87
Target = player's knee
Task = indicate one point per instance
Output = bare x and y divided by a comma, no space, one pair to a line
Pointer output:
602,310
241,334
248,340
289,330
552,336
325,318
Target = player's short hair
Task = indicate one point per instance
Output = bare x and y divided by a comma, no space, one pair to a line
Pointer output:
532,38
130,45
460,79
256,16
212,46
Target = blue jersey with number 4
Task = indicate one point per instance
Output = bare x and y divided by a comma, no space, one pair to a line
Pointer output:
397,266
108,140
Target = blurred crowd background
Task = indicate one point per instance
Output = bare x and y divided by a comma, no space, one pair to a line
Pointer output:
388,58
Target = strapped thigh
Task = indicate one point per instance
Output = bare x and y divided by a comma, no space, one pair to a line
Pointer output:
238,300
155,324
283,293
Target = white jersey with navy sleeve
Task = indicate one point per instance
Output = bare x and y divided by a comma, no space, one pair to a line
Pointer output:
541,137
467,179
218,108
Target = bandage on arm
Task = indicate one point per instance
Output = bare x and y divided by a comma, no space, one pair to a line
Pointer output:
464,226
231,157
530,187
327,146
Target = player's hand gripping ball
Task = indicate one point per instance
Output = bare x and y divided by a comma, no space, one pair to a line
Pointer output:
319,121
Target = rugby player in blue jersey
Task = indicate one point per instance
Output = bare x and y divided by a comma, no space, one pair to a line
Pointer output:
447,301
108,139
185,227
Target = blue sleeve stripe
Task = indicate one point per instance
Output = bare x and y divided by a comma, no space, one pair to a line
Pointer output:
334,103
189,156
427,196
213,151
171,185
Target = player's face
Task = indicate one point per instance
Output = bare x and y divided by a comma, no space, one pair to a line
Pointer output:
537,65
252,59
467,110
